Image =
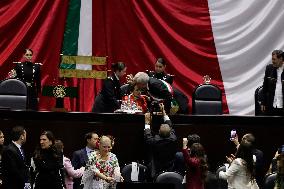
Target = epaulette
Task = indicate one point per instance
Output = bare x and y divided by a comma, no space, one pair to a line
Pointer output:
109,77
17,62
39,63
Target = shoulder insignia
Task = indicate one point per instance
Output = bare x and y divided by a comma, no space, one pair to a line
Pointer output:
38,63
17,62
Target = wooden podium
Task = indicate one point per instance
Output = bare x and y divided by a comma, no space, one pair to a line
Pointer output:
59,92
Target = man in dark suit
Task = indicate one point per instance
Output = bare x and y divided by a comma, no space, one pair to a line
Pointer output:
163,145
15,171
157,89
80,157
273,88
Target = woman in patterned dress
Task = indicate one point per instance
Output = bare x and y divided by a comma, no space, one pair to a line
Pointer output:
102,170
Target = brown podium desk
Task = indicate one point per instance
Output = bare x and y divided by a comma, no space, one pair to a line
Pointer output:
139,185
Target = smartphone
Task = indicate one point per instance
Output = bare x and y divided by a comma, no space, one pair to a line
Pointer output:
233,134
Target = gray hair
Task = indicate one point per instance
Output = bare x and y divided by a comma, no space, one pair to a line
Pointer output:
141,77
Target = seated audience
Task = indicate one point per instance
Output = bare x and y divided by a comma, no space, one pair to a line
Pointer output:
163,145
241,172
196,165
102,170
70,172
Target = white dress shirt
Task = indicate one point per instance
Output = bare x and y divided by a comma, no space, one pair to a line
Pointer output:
278,97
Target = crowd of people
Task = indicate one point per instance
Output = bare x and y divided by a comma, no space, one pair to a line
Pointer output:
95,166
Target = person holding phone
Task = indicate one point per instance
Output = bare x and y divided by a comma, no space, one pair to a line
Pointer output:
257,155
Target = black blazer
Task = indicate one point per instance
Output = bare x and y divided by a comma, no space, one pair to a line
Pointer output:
269,85
107,99
15,172
79,159
163,150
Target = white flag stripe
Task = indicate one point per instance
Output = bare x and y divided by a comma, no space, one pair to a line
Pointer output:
85,33
245,33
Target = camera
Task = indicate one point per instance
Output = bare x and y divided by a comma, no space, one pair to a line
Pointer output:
155,107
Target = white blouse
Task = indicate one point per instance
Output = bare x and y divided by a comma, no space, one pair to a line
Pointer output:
237,177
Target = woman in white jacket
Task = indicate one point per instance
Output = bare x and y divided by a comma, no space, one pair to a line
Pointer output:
240,174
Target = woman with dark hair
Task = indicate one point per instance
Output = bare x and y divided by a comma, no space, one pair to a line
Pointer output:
241,173
160,73
47,164
29,73
70,172
108,99
196,165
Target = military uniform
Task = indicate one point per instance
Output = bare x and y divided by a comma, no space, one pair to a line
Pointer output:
178,96
107,100
29,73
163,76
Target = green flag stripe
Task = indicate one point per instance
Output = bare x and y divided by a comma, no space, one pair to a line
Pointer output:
67,66
70,42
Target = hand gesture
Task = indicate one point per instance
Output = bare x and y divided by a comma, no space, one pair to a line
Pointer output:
129,78
184,143
147,118
162,108
230,158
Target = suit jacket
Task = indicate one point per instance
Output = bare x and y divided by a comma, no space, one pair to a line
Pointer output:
14,169
269,85
107,99
163,150
79,159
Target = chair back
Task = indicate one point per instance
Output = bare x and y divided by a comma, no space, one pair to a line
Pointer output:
13,94
270,181
222,184
170,178
207,100
258,99
127,170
